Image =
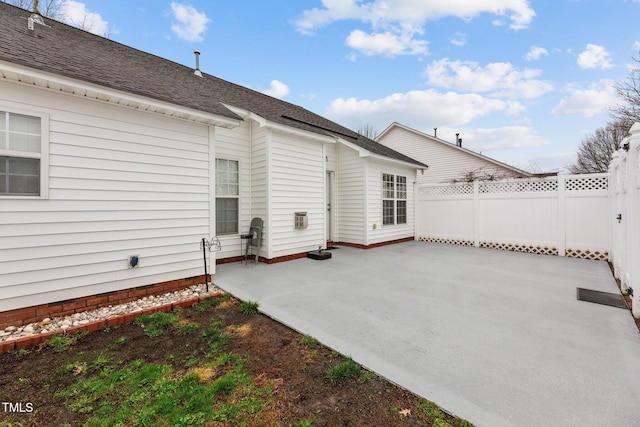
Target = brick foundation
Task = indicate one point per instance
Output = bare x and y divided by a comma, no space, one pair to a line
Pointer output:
26,342
374,245
26,315
263,259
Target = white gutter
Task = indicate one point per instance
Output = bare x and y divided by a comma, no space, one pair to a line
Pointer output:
363,152
46,80
264,123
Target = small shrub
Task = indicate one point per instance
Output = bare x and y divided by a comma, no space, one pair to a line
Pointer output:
248,308
188,329
156,324
345,369
60,343
309,341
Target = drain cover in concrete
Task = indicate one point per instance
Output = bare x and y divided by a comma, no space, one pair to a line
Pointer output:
605,298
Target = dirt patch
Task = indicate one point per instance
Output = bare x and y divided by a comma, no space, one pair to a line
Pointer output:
294,368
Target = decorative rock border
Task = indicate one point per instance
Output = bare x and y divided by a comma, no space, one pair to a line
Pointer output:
19,338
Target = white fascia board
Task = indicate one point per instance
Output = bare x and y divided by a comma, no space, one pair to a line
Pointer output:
262,122
194,115
363,152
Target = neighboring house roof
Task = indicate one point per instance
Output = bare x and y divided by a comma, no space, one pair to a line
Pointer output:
67,51
516,171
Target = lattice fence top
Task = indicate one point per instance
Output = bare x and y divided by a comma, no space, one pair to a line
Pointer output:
586,183
518,186
599,182
448,190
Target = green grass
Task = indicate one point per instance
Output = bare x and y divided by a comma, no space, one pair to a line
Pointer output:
248,308
188,329
309,341
208,303
430,409
156,324
60,343
143,393
345,369
215,336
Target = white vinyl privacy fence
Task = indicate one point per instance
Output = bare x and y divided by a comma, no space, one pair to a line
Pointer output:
624,216
594,216
563,215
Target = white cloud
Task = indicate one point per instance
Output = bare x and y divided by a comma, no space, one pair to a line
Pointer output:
594,56
535,53
411,12
277,89
395,24
188,24
458,39
386,43
443,109
499,78
587,102
507,137
76,14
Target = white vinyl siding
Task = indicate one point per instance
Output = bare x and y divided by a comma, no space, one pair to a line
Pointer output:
445,161
233,144
121,182
350,197
297,185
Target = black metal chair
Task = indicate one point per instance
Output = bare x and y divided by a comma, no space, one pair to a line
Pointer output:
254,240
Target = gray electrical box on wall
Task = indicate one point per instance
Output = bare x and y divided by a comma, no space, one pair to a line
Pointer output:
301,220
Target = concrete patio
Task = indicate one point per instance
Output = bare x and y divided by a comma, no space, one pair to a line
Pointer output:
495,337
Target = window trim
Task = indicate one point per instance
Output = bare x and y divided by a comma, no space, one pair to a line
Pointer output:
395,199
236,196
43,155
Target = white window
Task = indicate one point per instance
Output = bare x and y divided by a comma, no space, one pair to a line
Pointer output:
23,155
394,199
227,196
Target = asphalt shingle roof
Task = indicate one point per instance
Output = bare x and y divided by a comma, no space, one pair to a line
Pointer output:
68,51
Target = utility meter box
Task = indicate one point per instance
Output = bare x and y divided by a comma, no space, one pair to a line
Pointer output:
301,220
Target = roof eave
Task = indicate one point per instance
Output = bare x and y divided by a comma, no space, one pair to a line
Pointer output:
33,77
363,152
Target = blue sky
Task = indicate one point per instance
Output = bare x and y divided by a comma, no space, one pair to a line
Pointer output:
521,81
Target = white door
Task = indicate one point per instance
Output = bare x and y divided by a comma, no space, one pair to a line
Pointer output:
329,215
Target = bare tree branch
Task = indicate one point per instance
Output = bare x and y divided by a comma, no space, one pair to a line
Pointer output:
629,92
367,131
48,8
596,150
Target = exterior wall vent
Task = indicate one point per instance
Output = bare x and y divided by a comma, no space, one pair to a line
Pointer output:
301,220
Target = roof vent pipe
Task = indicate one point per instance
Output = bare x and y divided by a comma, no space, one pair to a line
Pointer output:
35,17
457,138
435,132
197,71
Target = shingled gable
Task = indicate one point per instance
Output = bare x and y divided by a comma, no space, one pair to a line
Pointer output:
63,50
